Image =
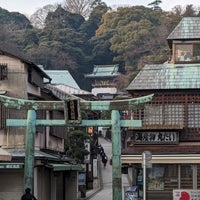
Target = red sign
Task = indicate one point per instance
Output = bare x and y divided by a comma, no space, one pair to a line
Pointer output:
186,194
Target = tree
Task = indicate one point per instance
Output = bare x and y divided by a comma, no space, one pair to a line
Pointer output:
61,18
14,20
38,18
81,7
30,38
90,26
101,50
155,4
189,11
8,43
75,145
130,32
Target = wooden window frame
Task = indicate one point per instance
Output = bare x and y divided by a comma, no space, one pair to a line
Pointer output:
3,71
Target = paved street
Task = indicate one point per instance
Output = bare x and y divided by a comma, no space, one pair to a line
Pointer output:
106,192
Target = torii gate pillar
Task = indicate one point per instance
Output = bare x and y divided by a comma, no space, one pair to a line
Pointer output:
116,155
29,150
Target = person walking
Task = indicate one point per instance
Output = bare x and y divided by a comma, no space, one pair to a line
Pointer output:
101,150
104,159
28,195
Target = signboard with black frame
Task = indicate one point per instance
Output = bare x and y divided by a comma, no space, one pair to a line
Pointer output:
156,137
72,111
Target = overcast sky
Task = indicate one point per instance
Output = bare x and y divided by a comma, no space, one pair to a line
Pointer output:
28,7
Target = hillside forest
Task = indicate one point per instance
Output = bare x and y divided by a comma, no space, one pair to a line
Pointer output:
61,38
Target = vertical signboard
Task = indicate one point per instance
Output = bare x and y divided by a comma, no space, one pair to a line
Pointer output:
146,158
87,147
72,111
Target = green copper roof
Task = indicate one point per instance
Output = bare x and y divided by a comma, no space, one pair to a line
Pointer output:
188,28
62,77
167,76
104,71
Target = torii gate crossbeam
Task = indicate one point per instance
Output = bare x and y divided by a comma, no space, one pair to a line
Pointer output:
115,123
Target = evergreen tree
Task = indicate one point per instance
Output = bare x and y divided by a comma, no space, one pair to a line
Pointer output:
155,4
75,145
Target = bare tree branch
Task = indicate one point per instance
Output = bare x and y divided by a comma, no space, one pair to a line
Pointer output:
38,18
82,7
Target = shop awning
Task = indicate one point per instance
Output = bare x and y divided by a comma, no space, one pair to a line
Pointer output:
65,167
4,155
163,159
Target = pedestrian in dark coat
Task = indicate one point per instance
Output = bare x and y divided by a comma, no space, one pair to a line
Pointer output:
28,195
100,149
104,159
102,152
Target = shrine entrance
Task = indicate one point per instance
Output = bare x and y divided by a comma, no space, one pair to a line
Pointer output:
72,109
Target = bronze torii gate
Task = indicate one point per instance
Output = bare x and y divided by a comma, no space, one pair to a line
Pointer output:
72,109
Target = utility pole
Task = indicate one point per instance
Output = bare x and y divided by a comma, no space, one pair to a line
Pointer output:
146,163
72,108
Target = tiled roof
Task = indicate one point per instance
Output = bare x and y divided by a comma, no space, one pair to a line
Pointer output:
188,28
104,71
167,76
72,90
64,92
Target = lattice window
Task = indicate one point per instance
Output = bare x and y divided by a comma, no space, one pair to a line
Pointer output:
153,114
174,114
193,115
2,116
164,110
3,71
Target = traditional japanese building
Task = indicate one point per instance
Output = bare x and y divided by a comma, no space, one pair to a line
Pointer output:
103,84
55,176
171,122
